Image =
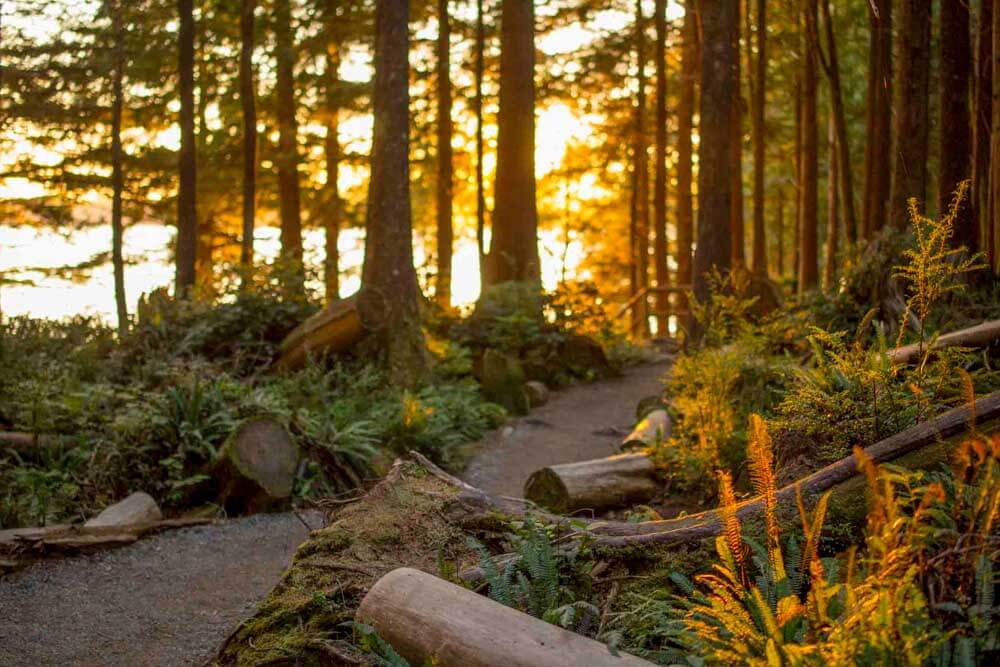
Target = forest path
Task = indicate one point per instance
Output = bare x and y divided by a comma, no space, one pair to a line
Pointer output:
171,598
586,421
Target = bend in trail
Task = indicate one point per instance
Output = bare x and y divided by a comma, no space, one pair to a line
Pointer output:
172,598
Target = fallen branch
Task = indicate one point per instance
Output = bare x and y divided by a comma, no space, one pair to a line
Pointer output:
979,336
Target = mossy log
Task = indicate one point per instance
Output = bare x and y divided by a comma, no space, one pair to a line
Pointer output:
979,336
599,484
337,328
653,428
256,466
429,620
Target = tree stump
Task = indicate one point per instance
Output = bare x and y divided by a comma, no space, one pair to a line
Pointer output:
256,467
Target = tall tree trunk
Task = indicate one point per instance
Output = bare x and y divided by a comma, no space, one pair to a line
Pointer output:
720,23
832,208
758,90
640,242
831,65
389,300
690,54
879,140
809,208
334,212
514,246
736,146
445,234
288,156
780,224
912,117
797,168
478,106
117,175
954,159
187,219
993,212
983,121
248,103
660,170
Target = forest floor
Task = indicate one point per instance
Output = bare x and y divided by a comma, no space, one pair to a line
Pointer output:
172,598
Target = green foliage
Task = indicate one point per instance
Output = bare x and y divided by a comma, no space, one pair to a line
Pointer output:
376,650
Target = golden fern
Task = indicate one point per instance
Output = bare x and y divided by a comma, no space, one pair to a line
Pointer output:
730,524
761,460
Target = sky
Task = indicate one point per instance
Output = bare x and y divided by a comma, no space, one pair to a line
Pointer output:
556,128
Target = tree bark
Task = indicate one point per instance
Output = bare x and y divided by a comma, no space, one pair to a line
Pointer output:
758,90
832,209
879,140
983,121
478,106
780,223
117,174
514,246
445,234
685,126
331,144
288,158
736,146
248,104
187,219
718,82
640,241
809,208
845,177
993,210
912,121
660,171
389,299
600,484
954,157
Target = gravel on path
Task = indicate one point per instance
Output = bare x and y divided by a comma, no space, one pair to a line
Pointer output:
169,599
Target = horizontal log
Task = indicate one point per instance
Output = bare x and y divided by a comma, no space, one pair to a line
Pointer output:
67,538
431,621
336,328
599,484
706,524
981,335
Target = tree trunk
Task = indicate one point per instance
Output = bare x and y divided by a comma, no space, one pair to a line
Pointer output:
685,125
736,146
640,241
993,209
797,167
117,175
983,121
809,208
389,299
248,103
954,158
334,213
660,171
758,90
718,82
445,233
514,246
912,118
187,219
845,177
780,272
879,139
287,158
478,106
600,484
832,208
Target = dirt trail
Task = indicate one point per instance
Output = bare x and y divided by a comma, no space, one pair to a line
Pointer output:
170,599
583,422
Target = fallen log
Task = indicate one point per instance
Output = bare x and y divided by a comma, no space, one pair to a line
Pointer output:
652,429
336,328
429,620
137,508
599,484
255,469
66,538
919,447
979,336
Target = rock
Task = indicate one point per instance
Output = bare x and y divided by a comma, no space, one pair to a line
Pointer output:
256,467
584,357
139,507
538,393
503,382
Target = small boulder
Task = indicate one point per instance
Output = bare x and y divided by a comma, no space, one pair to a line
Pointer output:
137,508
538,393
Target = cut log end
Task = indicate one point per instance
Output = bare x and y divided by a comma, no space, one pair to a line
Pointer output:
599,484
256,467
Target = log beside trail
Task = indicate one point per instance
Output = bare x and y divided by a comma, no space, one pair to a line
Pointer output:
599,484
429,620
137,508
654,428
336,328
979,336
256,467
